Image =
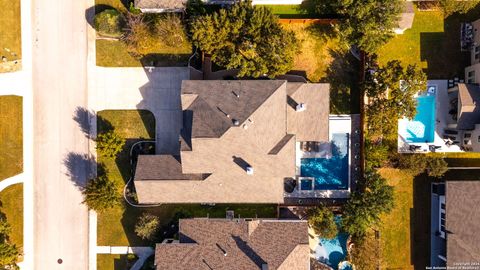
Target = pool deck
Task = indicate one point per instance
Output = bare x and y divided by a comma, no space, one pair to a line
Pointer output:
338,124
441,122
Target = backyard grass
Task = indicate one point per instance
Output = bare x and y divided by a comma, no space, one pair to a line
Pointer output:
11,140
288,11
323,58
11,204
433,43
395,229
116,226
10,36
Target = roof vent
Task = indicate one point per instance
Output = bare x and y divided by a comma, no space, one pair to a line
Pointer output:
249,170
237,95
301,107
235,122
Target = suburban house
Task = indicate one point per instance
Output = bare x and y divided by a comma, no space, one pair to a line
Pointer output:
236,244
159,6
454,224
470,41
241,141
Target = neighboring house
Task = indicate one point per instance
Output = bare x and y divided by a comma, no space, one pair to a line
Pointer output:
471,42
236,244
239,142
406,18
465,115
455,241
159,6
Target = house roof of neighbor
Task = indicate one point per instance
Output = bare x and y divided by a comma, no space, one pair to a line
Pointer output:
469,112
462,222
236,244
160,4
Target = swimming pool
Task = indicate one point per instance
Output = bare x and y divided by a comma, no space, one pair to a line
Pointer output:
421,128
332,251
329,173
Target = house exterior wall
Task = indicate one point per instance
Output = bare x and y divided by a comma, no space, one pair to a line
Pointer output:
475,139
476,43
472,73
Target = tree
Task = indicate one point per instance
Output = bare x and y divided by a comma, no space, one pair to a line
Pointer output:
147,226
436,166
368,24
246,37
139,37
365,254
391,90
417,163
101,194
455,6
376,154
365,206
170,30
109,23
8,255
322,220
109,144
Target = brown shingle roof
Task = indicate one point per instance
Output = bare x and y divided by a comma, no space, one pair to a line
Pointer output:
311,124
211,144
462,221
468,113
247,244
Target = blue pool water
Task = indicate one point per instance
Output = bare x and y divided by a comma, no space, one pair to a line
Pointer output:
422,127
329,173
306,184
335,249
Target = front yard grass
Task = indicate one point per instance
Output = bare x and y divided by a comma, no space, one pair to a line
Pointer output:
433,43
116,226
11,139
288,11
323,58
114,53
112,262
11,204
10,33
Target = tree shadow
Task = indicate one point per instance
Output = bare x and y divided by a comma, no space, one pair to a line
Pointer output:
79,168
165,60
342,74
420,222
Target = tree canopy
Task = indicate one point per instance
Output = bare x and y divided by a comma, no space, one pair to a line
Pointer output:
147,226
454,6
391,89
9,252
109,23
416,164
109,144
101,194
322,220
365,206
246,37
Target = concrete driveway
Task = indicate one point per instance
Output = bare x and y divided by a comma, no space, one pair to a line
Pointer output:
157,90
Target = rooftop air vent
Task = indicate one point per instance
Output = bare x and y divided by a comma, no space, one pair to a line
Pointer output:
235,122
249,170
301,107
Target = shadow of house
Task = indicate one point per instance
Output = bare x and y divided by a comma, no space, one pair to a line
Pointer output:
342,74
79,168
165,60
420,222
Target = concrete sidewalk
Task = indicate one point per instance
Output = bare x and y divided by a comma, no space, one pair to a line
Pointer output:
19,178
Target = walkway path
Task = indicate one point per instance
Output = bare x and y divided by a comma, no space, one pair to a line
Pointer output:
11,181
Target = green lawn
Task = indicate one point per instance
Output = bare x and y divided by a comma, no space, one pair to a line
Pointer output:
288,11
113,262
323,58
11,200
11,140
433,43
10,36
116,226
395,228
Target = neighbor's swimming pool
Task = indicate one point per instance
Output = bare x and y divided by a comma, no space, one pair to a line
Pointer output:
332,251
329,173
421,129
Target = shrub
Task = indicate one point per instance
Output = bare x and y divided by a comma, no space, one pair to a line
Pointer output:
322,221
139,37
109,144
147,226
418,163
376,155
101,194
436,166
170,30
109,23
8,255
